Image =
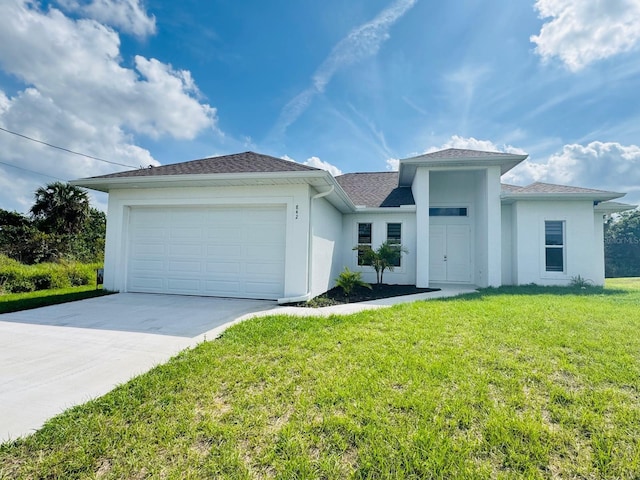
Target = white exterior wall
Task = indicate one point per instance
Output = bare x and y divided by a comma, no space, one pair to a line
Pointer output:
507,249
403,275
481,237
421,191
493,222
479,191
598,248
327,248
583,251
295,198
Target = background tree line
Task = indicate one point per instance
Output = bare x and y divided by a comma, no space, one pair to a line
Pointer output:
61,225
622,245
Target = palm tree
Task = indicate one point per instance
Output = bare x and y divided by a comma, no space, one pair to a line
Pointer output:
61,208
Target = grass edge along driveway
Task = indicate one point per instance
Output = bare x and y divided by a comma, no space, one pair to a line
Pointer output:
507,383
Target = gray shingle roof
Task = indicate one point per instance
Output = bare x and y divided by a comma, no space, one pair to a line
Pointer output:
506,188
247,162
458,153
539,187
375,189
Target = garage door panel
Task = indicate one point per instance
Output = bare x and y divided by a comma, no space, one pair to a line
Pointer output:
266,236
181,267
153,218
147,284
225,251
148,249
185,286
184,233
260,289
217,234
222,268
264,268
185,249
221,287
147,265
274,252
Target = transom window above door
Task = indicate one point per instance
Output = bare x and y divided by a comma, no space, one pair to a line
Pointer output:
448,212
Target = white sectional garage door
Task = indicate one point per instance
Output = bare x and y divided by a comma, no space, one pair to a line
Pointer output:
212,251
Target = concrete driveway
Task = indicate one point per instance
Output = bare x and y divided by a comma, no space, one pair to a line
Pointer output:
53,358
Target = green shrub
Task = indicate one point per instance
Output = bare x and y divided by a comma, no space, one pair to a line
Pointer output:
18,278
348,280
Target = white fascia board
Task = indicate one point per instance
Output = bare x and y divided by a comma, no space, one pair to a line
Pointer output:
392,210
408,166
613,207
316,179
338,197
162,181
594,197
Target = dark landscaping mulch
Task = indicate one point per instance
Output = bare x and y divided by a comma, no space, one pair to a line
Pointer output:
335,296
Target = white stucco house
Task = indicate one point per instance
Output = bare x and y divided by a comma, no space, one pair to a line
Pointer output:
253,226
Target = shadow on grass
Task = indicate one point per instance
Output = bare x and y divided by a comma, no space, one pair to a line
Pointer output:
530,290
20,304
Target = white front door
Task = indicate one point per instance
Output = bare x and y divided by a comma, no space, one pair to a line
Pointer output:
450,253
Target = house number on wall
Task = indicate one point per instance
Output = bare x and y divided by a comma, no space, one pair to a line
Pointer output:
297,211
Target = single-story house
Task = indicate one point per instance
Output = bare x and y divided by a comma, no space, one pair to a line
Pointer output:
253,226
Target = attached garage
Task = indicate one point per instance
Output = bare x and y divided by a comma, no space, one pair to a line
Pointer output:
228,251
239,225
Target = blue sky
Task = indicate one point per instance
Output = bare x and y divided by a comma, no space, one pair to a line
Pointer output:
346,86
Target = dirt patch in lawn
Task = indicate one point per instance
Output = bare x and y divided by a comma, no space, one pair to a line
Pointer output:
336,296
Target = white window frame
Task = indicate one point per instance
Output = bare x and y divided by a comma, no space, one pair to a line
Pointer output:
399,243
358,243
562,247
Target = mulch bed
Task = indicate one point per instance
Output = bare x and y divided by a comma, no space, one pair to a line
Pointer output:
335,296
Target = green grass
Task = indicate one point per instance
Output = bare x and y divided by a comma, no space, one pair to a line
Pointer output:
523,382
14,302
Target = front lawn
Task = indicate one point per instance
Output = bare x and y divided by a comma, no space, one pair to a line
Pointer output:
506,383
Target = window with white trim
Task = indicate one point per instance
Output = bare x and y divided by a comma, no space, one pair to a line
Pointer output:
554,243
394,236
364,241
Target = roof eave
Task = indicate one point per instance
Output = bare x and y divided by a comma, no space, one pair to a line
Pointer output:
613,207
400,209
166,181
408,166
599,197
314,178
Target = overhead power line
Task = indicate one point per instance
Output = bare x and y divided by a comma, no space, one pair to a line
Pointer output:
31,171
65,149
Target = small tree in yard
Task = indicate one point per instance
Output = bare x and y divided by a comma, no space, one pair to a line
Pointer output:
385,257
348,280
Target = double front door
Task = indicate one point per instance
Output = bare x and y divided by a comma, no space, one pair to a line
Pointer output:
450,253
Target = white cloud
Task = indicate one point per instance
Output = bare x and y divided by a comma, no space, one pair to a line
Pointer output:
393,164
362,42
472,143
317,163
581,32
125,15
77,94
602,165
